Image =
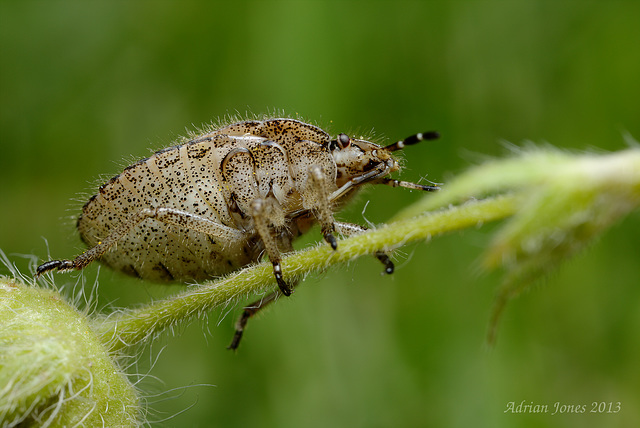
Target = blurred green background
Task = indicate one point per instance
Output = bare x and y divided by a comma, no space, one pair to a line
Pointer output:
85,87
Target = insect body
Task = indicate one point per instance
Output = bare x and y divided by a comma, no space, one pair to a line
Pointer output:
219,201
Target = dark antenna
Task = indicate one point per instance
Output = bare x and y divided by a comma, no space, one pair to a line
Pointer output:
414,139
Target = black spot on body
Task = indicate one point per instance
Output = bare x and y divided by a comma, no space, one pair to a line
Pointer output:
131,270
199,140
91,199
167,149
163,271
198,152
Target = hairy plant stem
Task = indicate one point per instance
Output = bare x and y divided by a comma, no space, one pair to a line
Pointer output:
123,329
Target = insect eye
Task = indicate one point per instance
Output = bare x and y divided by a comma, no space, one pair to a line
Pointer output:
344,141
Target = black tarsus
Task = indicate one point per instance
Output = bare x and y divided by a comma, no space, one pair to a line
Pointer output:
386,261
284,287
54,264
331,240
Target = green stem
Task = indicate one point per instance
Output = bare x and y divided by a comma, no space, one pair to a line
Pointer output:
130,327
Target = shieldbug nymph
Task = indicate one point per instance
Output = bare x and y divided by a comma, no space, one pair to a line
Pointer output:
219,201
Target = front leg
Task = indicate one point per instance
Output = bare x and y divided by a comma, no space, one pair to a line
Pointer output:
317,183
267,213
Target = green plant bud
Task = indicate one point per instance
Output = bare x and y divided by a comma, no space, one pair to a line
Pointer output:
53,369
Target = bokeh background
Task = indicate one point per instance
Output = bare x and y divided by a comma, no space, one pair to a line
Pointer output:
85,87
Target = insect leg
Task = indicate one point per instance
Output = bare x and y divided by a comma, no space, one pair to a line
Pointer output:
248,312
263,212
407,185
322,209
165,215
349,229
